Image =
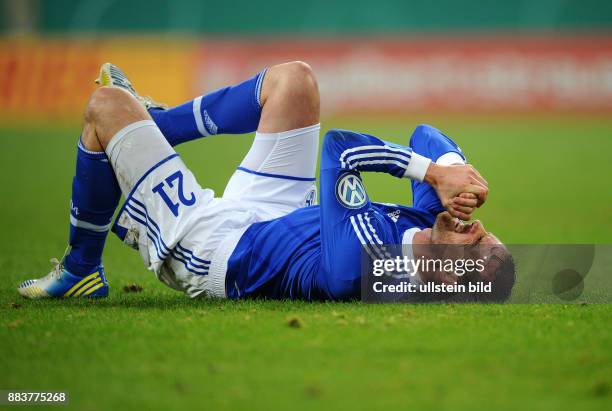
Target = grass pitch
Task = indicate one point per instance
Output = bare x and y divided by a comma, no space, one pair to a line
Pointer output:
156,349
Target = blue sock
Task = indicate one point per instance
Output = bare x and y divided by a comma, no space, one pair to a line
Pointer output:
95,195
230,110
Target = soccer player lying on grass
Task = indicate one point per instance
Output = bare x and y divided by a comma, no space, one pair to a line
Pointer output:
263,237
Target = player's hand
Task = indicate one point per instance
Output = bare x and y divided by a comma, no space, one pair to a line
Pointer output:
451,181
463,205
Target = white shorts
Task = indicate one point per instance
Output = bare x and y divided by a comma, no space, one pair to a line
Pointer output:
183,233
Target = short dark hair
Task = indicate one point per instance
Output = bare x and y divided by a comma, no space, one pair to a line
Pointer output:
504,279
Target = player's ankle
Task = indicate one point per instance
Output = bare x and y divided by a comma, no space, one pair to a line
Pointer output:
79,268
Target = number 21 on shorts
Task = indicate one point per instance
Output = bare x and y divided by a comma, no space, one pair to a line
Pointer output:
170,182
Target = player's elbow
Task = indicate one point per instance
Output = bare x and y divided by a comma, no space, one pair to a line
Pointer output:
337,140
333,142
421,134
334,134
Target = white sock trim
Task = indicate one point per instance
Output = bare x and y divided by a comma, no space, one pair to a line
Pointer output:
259,84
197,115
89,226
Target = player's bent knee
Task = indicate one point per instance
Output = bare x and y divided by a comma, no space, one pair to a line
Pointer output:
110,109
291,96
298,77
306,72
309,81
102,101
300,69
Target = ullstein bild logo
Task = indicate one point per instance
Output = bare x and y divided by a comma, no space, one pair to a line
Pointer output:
350,191
513,273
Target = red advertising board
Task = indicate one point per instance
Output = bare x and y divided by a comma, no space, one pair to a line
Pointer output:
53,78
465,74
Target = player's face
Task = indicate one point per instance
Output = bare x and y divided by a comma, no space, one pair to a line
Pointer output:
449,230
472,241
480,243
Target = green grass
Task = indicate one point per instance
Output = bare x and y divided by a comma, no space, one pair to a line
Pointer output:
159,350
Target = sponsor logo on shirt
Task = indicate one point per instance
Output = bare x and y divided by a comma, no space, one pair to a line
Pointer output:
350,191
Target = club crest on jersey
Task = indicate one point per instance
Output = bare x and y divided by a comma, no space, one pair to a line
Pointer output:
350,191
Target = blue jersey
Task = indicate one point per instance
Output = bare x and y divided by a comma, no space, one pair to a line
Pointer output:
281,258
315,253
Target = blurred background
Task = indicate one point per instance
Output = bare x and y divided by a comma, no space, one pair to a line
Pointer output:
388,56
524,86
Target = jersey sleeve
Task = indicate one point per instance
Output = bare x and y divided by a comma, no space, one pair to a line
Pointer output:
364,152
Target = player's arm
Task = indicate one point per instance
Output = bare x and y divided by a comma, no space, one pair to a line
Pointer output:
460,187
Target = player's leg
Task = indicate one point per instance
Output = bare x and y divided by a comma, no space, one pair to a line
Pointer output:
289,98
241,108
278,173
433,144
230,110
274,100
95,195
120,148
